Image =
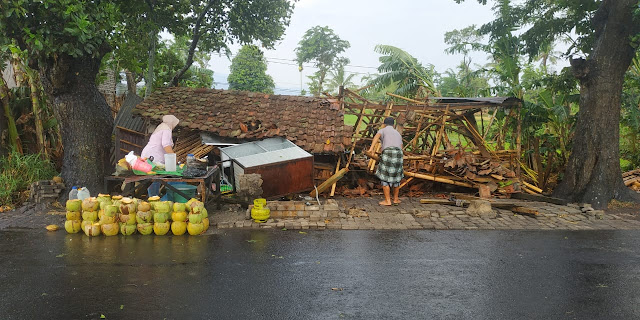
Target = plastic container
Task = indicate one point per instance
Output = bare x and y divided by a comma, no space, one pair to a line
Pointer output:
170,162
141,165
187,189
83,193
190,159
73,194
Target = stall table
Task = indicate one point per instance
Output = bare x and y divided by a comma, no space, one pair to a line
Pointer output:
204,184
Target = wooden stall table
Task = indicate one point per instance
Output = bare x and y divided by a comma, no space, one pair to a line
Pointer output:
207,192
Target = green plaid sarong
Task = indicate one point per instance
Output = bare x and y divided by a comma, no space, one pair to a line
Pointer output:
390,168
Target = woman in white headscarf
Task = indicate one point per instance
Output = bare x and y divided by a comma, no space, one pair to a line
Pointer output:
161,141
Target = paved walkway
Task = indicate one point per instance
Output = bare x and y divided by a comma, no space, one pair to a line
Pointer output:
365,213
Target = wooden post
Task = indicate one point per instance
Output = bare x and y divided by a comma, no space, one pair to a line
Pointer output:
519,140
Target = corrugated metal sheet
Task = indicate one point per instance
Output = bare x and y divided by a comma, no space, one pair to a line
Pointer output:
125,118
263,152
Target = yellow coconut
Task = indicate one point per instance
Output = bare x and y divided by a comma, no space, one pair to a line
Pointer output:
190,203
129,219
74,205
179,216
161,217
127,206
144,216
110,229
200,210
127,229
90,204
90,215
195,204
108,220
144,206
100,214
86,223
161,228
145,228
205,222
195,228
111,211
92,230
52,227
73,226
178,228
195,218
73,215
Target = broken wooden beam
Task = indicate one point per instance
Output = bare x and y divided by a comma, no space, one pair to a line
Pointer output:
325,185
540,198
532,187
426,176
525,210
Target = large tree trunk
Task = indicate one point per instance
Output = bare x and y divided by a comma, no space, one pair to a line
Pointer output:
84,116
593,172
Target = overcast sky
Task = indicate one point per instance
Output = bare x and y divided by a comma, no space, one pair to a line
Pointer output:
415,26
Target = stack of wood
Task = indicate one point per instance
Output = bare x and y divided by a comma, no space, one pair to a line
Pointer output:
45,191
190,142
632,179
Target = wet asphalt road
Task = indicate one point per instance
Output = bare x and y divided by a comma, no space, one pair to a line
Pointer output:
262,274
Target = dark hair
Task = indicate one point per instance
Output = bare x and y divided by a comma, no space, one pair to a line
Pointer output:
389,121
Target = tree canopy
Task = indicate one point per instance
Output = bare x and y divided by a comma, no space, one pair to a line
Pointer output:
321,46
249,71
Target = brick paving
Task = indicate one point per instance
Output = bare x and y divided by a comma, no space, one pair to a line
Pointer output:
366,214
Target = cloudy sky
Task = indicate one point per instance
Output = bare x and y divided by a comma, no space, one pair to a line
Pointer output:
417,26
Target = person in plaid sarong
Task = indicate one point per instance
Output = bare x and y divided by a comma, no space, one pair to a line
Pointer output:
390,170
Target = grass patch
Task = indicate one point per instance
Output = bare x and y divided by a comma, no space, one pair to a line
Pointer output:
17,172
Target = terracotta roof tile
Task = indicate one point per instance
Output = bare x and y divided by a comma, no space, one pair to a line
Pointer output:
307,121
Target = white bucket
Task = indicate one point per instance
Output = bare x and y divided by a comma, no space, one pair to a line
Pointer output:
170,161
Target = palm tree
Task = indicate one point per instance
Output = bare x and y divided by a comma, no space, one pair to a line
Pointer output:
398,67
339,78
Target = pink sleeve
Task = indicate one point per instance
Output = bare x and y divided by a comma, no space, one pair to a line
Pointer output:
166,139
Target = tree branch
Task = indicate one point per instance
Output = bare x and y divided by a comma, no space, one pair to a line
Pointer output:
194,45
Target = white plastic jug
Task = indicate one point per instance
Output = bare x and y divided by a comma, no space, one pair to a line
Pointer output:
170,162
83,193
73,194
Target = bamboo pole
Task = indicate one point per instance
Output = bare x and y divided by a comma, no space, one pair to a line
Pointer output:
405,98
439,135
333,186
426,176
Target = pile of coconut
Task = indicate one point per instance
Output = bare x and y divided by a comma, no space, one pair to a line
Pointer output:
112,215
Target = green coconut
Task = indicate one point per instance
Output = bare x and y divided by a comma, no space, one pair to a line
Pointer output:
195,228
195,218
127,229
74,215
89,215
195,204
111,211
73,226
178,228
161,228
74,205
90,204
179,207
145,228
144,216
179,216
92,229
190,202
160,217
200,210
110,229
130,219
85,223
162,206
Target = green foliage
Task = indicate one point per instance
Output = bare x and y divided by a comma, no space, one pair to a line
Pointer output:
400,69
17,172
339,78
171,57
465,82
249,71
630,121
321,46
